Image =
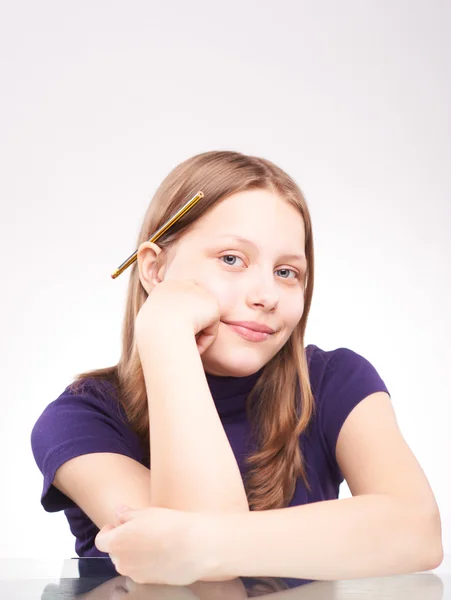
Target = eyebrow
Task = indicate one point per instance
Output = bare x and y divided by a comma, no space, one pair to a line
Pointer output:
243,240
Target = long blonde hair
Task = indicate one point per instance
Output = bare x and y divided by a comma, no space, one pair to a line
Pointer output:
278,418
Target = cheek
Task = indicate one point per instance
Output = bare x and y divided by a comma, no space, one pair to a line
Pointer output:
294,313
222,291
216,285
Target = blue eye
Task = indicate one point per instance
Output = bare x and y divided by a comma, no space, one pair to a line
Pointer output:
229,256
292,270
232,264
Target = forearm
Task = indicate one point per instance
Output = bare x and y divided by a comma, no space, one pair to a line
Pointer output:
363,536
193,467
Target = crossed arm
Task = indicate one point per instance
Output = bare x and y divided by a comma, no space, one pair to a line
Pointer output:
391,524
193,466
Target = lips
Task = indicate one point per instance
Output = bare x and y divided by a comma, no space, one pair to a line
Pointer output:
249,334
252,325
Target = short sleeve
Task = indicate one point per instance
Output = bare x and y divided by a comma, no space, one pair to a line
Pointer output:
348,379
76,424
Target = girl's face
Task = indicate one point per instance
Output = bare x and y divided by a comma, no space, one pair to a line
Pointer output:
259,278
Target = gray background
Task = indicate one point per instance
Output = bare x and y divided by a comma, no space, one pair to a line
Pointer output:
100,100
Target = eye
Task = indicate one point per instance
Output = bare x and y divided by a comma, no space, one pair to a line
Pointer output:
296,274
231,264
233,257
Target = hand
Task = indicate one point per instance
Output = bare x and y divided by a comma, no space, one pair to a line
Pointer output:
156,545
174,303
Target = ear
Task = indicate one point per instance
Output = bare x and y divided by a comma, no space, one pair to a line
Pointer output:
151,273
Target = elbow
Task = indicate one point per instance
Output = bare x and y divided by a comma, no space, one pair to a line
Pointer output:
420,538
437,553
436,559
432,542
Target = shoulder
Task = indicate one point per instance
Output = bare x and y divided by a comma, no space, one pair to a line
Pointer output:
87,415
85,400
339,368
340,379
84,419
323,360
98,394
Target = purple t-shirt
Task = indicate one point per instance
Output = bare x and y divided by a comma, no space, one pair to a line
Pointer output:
93,421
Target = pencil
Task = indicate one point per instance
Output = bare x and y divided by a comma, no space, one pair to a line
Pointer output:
153,238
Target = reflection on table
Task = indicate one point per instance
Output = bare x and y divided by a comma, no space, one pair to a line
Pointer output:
97,579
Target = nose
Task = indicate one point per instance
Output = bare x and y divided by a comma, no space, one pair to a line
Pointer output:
263,292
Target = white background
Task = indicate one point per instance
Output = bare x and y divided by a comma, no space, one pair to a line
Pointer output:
100,100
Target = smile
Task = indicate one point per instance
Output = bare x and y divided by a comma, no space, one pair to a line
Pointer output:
249,334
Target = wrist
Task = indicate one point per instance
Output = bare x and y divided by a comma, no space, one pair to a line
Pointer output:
209,534
205,535
161,333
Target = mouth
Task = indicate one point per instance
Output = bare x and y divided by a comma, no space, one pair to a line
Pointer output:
248,334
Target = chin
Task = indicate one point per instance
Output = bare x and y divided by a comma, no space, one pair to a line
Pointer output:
232,362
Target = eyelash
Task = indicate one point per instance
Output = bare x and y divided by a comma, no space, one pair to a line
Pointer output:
298,275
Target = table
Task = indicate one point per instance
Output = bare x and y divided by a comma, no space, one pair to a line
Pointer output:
97,579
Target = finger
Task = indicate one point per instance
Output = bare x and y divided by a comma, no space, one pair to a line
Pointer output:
103,538
114,559
206,338
107,528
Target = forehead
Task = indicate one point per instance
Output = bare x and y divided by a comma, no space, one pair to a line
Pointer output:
253,214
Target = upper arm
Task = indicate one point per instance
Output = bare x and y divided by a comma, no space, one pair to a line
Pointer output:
99,482
375,459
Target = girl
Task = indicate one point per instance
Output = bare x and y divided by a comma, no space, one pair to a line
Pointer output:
246,433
